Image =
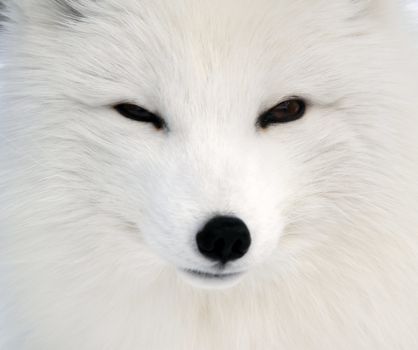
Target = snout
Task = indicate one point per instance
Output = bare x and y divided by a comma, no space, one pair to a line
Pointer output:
224,239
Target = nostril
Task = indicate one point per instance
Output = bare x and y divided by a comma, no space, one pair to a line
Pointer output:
237,247
206,246
224,238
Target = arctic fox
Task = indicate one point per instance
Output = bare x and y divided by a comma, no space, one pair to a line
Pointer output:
208,174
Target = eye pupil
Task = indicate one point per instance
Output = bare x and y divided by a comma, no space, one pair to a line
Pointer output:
293,107
284,112
137,113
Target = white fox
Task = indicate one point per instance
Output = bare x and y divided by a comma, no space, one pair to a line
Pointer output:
208,174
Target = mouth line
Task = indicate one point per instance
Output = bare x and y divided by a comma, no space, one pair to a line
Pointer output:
210,275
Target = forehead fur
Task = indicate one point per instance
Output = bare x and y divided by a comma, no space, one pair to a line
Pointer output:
135,43
71,8
2,12
77,9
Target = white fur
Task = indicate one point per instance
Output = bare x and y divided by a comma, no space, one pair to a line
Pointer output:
98,212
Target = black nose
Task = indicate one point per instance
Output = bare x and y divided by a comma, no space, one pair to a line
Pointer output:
224,239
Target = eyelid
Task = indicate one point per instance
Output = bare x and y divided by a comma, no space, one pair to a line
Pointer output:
271,117
273,104
134,104
147,117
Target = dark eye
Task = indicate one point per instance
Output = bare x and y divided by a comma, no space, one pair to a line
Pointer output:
285,112
140,114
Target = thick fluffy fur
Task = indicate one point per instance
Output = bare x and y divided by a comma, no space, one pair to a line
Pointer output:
98,213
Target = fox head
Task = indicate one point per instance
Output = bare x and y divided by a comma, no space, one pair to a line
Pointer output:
215,139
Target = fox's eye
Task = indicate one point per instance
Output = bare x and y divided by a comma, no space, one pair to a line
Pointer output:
287,111
139,114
